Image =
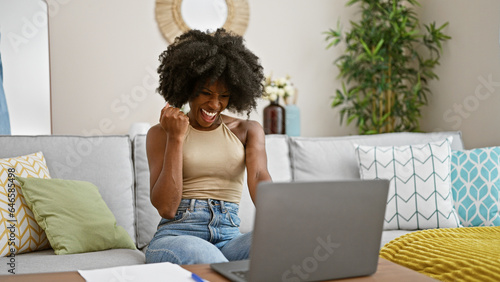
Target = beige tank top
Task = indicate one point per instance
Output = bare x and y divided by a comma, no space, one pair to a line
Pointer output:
213,165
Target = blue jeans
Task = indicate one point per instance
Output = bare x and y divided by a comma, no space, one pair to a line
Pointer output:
203,231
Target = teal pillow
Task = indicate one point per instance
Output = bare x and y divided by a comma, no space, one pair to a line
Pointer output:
73,215
475,180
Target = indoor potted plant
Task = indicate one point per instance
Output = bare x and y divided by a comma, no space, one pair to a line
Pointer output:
386,67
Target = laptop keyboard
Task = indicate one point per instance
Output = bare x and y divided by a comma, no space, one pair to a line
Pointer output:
241,274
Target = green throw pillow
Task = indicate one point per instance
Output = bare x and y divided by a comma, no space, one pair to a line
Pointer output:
73,215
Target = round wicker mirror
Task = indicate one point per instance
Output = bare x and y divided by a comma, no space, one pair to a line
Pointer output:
171,16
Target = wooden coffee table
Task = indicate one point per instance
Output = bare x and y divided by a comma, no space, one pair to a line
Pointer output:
386,271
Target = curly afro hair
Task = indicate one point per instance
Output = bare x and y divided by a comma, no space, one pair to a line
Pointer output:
197,57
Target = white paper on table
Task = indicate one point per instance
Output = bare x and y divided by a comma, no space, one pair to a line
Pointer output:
152,272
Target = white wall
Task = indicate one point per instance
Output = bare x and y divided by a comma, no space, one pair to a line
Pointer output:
25,57
103,60
467,96
101,55
291,41
104,53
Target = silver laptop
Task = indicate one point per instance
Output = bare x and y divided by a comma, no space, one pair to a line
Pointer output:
312,231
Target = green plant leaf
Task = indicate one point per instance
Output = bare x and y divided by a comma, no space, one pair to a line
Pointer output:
338,100
351,118
388,62
379,45
352,2
367,50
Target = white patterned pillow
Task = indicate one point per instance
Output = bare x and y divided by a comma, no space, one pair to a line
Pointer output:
420,191
19,231
475,180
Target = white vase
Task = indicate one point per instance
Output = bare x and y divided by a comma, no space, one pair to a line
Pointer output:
292,113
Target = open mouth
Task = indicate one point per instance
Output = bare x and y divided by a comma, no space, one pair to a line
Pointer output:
208,116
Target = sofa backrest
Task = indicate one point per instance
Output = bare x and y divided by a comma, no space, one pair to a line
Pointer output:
120,170
333,158
279,166
278,157
289,158
147,217
326,158
105,161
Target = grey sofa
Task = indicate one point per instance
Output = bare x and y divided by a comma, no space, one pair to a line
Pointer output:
118,167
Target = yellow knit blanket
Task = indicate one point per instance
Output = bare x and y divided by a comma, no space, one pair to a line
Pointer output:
449,254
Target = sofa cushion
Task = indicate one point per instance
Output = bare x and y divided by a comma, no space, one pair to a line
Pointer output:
46,261
420,189
278,163
475,179
105,161
333,158
278,157
73,215
147,215
19,231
